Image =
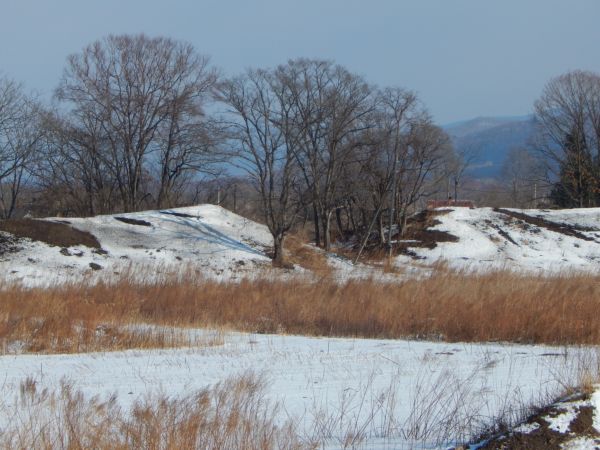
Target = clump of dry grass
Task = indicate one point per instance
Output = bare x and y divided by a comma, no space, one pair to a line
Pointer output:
306,255
450,306
81,318
232,415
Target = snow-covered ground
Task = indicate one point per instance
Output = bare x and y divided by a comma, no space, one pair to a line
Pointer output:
569,240
218,244
205,238
397,394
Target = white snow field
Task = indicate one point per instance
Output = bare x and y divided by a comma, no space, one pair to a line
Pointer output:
205,238
391,394
488,239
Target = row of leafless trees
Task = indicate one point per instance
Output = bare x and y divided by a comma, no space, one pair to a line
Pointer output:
313,135
136,120
127,130
20,138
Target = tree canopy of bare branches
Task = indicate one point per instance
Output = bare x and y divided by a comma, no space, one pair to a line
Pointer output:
264,142
568,117
20,135
329,109
133,101
133,127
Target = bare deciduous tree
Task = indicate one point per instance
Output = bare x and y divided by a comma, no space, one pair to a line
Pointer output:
265,147
20,134
74,168
403,152
386,161
568,118
328,107
140,94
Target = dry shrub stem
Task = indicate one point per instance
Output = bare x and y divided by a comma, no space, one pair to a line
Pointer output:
448,306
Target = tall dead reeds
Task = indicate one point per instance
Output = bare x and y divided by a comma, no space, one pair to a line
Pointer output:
231,415
449,306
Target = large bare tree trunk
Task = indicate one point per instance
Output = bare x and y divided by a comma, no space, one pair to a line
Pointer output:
278,256
316,221
326,225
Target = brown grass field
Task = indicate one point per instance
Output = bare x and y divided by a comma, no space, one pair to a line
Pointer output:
445,306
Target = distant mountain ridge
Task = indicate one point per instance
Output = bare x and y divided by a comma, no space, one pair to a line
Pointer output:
490,139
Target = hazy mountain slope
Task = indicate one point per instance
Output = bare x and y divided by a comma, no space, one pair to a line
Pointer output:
490,138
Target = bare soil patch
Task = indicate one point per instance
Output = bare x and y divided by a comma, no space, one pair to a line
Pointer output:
563,228
9,244
177,214
52,233
418,232
305,255
502,232
543,437
131,221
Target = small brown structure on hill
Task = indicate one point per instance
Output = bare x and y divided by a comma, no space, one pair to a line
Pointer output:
432,204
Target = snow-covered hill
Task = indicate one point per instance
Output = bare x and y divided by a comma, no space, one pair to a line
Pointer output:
206,238
521,240
217,243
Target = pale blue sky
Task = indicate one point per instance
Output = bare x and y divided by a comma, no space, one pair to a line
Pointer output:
465,58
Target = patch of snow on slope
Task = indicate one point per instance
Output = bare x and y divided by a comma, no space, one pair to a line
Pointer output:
582,217
492,240
561,423
205,238
526,428
595,400
581,443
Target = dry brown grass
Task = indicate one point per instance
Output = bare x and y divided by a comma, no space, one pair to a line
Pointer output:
74,319
231,415
449,306
456,307
307,256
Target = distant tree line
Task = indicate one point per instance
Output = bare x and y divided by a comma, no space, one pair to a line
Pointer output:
140,122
